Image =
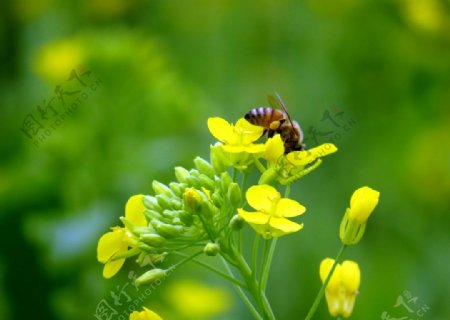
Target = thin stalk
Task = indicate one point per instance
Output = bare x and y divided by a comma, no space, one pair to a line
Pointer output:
242,294
216,271
322,289
255,254
267,264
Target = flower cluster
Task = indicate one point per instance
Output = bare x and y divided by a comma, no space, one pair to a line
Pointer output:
206,208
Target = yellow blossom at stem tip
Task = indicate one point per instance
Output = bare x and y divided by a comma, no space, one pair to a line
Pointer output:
342,288
270,218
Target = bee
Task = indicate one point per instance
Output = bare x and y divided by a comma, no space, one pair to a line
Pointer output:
276,119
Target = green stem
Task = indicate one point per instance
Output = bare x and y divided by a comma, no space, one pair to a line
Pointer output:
322,289
267,264
216,271
242,294
255,253
259,165
186,259
235,173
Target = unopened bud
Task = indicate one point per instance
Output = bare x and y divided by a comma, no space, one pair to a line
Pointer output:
192,200
181,174
160,188
150,277
153,240
219,160
234,194
236,223
167,230
204,167
211,249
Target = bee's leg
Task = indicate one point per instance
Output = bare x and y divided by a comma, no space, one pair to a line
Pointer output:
299,147
270,133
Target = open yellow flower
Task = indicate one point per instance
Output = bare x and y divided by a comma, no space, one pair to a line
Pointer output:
342,288
270,218
236,138
115,243
147,314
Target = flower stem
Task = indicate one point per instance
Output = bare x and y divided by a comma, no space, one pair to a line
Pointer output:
322,289
267,263
242,294
211,268
255,254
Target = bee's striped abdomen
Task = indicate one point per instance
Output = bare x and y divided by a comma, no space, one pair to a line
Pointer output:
264,116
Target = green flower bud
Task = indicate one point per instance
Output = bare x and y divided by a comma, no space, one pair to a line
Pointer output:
177,188
186,218
269,177
204,167
160,188
236,223
151,203
225,181
164,201
217,199
153,240
151,276
219,160
207,182
234,194
194,182
167,230
181,174
152,214
211,249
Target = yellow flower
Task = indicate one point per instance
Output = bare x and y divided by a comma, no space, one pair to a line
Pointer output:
147,314
290,167
362,203
270,218
115,243
342,288
236,138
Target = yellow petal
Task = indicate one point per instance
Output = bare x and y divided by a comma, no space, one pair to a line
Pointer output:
289,208
323,150
350,276
249,132
109,244
262,197
150,315
335,281
284,226
253,217
112,267
362,203
300,158
134,210
274,149
325,267
222,130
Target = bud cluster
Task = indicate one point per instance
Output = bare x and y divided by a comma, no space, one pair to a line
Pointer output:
193,210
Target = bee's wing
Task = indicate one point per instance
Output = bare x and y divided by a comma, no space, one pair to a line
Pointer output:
275,102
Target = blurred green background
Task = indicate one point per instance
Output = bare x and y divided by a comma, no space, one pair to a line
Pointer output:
371,76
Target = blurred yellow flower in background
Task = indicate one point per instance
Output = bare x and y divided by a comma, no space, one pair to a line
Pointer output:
270,218
195,300
55,60
342,288
147,314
